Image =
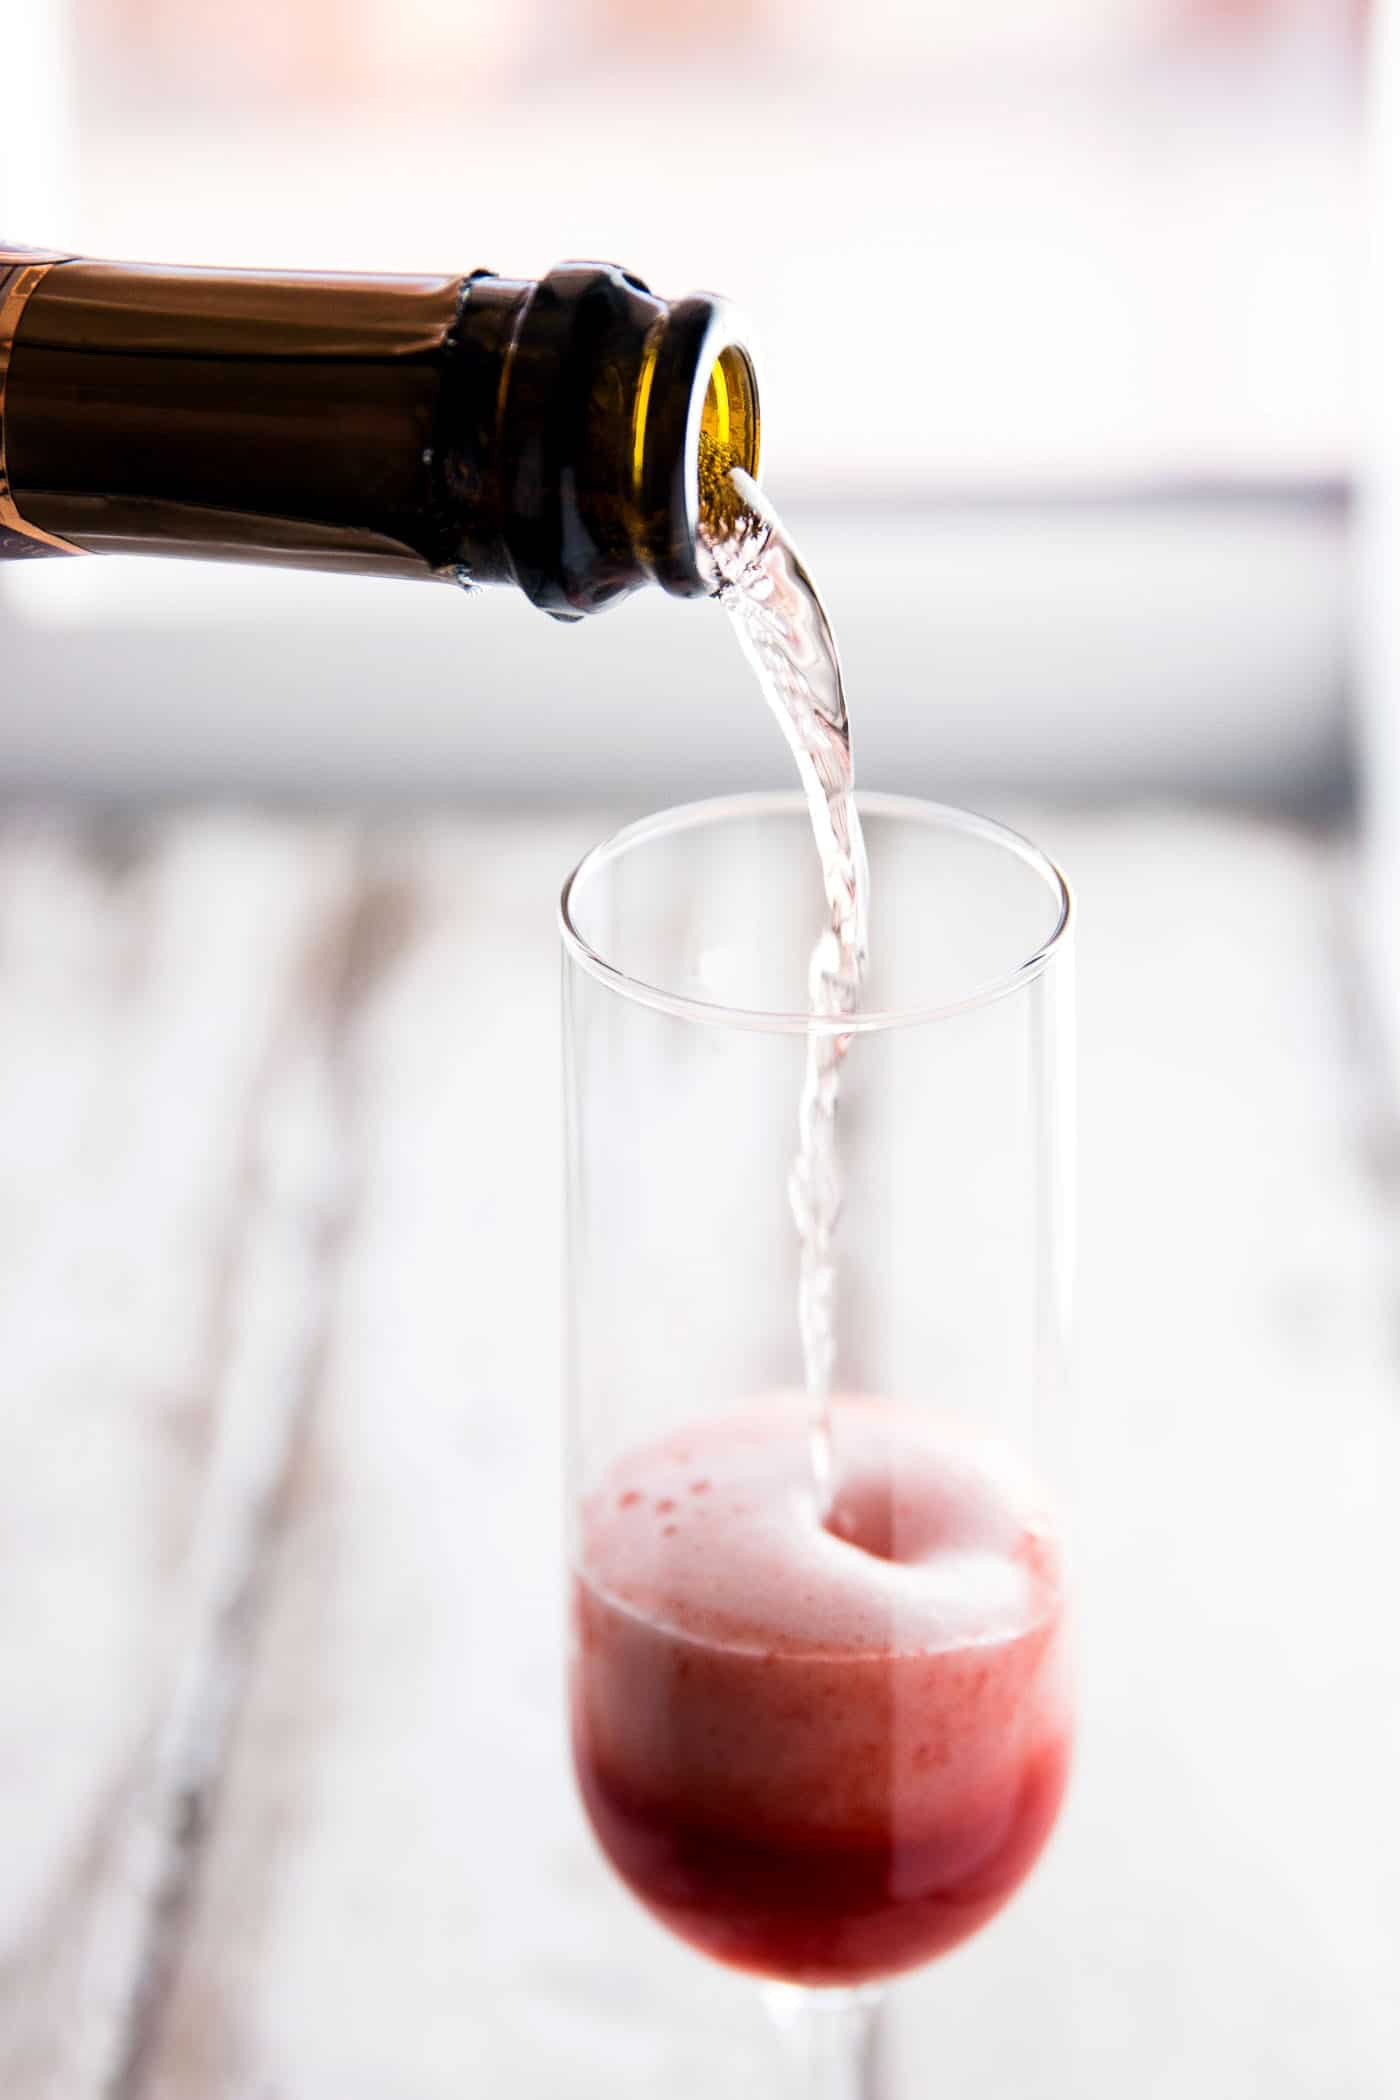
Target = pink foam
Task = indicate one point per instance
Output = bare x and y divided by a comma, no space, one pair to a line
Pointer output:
740,1665
715,1535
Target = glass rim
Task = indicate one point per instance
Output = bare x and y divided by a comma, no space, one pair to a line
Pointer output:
688,816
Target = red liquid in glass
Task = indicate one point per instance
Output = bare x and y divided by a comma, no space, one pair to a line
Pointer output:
820,1754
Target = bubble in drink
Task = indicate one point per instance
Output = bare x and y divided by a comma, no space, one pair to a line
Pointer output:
822,1751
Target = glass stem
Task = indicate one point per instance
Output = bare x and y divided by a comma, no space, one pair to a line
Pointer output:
829,2041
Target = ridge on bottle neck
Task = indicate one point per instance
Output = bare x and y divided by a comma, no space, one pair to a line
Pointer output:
603,396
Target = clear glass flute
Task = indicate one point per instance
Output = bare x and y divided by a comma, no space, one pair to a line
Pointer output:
820,1731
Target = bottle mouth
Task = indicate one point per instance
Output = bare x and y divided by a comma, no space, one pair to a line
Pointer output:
696,399
607,395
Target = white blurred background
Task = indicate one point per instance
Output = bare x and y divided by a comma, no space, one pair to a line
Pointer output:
1057,311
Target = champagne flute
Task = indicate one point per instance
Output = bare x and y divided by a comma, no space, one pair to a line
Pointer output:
821,1728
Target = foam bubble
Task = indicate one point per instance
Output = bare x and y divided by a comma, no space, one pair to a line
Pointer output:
935,1541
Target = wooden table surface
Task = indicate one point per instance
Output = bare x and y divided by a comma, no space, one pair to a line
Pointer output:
285,1812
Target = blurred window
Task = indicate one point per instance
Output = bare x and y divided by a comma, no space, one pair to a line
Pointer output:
1029,243
1022,250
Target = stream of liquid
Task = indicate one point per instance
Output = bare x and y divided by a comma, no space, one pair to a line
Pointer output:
783,630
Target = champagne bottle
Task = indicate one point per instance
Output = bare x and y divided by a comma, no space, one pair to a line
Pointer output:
481,429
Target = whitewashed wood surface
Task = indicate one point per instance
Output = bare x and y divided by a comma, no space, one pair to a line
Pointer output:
284,1806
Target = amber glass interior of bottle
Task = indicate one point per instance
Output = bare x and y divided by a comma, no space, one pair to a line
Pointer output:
729,419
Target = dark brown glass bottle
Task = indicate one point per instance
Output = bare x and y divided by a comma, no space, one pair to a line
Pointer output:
484,429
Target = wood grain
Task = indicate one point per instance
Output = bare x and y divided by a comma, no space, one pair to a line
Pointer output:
281,1206
1222,1906
158,996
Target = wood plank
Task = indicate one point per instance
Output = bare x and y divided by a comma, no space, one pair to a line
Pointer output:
1222,1907
157,993
399,1897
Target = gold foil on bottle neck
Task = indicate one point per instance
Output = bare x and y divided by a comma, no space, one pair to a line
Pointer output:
22,270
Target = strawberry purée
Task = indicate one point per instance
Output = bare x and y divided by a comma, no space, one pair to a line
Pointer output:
823,1753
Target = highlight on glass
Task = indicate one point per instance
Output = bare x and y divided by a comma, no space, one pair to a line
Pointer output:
820,1690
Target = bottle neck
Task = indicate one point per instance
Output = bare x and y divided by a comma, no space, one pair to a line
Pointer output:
541,434
605,396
